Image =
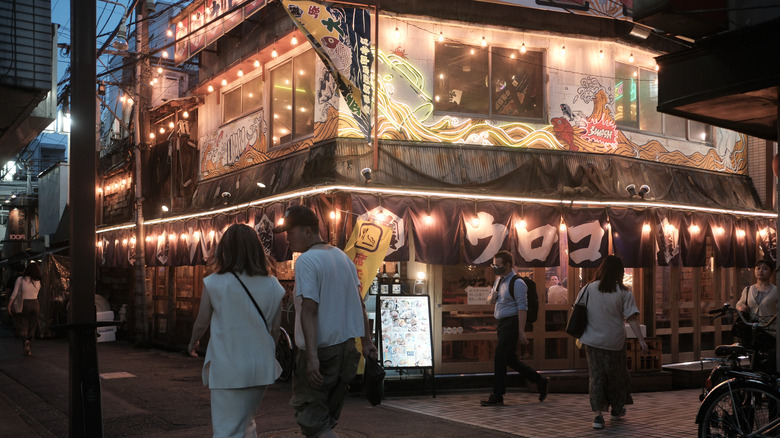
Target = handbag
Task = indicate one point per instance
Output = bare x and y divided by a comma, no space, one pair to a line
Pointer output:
579,317
277,365
373,381
18,304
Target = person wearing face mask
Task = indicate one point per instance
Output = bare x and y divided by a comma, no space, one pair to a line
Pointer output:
511,315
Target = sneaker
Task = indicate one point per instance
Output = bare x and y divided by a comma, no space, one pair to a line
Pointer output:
493,400
26,350
598,422
617,415
543,386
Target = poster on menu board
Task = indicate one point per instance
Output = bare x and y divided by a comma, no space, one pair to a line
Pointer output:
405,331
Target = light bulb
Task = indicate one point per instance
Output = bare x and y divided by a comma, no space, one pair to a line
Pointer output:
162,130
562,226
428,220
484,42
159,69
240,72
171,125
294,41
333,215
211,88
397,33
601,54
475,222
646,228
151,135
164,208
256,63
165,54
129,100
224,82
563,50
657,67
522,48
273,53
169,33
441,37
421,275
631,58
185,114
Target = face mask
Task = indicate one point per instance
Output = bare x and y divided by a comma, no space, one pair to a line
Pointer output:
497,270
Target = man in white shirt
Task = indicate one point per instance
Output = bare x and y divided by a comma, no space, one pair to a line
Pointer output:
329,315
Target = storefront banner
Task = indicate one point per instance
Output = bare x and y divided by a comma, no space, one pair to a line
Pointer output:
630,240
436,230
588,241
17,224
391,213
693,232
342,38
366,248
485,230
723,235
261,219
280,250
535,237
667,236
228,145
745,237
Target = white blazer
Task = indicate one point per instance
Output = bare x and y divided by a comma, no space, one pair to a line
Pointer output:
241,351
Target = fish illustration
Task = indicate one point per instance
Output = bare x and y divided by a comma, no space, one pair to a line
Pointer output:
564,132
329,42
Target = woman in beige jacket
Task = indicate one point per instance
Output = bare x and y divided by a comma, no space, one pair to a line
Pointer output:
28,286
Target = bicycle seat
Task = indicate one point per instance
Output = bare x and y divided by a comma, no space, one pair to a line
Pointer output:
730,350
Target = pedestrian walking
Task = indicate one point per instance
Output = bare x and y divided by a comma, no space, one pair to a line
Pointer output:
610,304
24,305
511,315
241,304
329,315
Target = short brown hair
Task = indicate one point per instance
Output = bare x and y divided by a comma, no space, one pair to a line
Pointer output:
505,257
241,251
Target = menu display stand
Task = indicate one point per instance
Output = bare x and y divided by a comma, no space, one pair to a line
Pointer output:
404,333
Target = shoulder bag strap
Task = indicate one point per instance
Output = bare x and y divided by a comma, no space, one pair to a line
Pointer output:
584,294
251,298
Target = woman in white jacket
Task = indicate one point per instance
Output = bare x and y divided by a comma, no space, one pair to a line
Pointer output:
240,358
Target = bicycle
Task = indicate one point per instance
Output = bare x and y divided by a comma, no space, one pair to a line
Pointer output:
746,403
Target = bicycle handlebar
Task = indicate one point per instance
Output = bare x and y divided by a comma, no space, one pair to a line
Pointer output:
727,308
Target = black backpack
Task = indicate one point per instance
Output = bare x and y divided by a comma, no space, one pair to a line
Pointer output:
533,300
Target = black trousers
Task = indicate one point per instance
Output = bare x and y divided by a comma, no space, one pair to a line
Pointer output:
506,355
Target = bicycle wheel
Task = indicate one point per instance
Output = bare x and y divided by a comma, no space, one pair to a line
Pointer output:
285,356
740,408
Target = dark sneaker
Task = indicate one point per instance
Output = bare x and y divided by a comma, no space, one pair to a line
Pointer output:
617,415
493,400
598,422
543,386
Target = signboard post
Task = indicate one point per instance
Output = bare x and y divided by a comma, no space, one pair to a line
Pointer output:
405,336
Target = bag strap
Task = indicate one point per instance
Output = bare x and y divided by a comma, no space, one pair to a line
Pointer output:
585,294
512,285
251,298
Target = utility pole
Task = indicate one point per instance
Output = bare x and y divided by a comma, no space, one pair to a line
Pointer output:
141,127
86,412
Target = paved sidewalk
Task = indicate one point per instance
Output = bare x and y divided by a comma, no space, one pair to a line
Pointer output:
154,393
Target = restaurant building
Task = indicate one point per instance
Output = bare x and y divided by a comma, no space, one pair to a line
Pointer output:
516,125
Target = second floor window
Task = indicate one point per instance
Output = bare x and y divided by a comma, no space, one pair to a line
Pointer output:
243,99
492,82
292,99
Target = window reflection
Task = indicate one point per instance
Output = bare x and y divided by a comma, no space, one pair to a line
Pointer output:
292,99
626,95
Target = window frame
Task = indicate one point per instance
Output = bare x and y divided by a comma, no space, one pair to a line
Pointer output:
270,68
249,77
492,113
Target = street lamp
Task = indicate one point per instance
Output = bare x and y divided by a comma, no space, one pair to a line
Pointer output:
120,38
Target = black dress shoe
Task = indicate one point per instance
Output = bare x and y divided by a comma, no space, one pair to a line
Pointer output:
493,400
544,386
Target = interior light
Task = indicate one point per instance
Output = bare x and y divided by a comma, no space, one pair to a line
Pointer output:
210,88
694,229
164,208
522,48
646,228
132,240
171,125
181,25
421,275
122,98
333,215
484,42
274,54
428,220
124,241
475,222
512,55
441,75
741,233
185,114
151,135
224,82
256,64
472,51
240,72
162,130
381,216
261,185
522,224
441,37
294,41
631,58
657,67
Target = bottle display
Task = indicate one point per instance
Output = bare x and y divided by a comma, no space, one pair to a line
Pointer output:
384,281
374,289
396,287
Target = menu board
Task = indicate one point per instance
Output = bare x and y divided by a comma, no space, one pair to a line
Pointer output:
405,331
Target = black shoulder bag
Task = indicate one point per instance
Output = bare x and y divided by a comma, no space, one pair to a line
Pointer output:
579,316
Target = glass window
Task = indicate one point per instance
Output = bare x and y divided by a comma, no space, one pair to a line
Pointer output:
626,96
488,81
674,126
700,132
517,83
253,94
243,99
297,74
231,104
649,117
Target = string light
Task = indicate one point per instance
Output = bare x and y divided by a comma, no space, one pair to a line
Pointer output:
224,82
274,54
601,54
171,125
159,70
522,48
294,41
169,32
256,63
631,58
397,34
484,42
563,50
210,88
441,37
240,72
162,130
165,54
151,135
185,114
428,219
646,228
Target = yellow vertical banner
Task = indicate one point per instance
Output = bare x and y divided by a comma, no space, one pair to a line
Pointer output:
367,247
